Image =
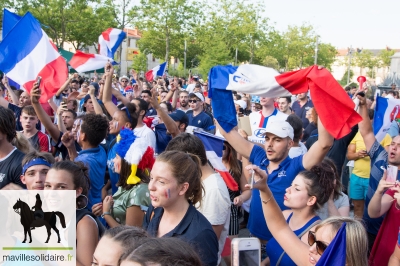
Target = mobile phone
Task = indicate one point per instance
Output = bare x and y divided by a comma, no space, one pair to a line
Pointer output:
38,80
246,251
252,179
391,172
64,100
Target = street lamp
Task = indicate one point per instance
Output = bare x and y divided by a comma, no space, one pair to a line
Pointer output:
316,51
348,69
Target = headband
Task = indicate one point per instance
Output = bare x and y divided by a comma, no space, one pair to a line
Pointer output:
37,161
128,114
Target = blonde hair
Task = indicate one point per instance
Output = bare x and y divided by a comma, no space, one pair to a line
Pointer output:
356,239
22,143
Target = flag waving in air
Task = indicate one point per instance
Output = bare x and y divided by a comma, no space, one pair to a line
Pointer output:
109,41
83,62
386,112
213,146
335,254
26,53
333,105
157,71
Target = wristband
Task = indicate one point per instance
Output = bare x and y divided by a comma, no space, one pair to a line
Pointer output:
105,213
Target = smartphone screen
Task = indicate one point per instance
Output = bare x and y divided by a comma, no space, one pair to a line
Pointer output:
249,257
391,173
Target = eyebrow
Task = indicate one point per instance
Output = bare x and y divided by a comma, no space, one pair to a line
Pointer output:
57,183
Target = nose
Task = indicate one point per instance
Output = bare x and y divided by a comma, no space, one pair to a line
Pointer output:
40,177
151,186
313,249
288,190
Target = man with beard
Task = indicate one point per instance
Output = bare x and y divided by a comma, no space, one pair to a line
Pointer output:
184,101
274,158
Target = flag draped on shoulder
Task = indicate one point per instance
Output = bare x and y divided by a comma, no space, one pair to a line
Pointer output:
331,102
157,71
83,62
110,40
335,253
26,52
213,146
387,111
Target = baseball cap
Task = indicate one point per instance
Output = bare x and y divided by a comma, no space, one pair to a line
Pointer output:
280,128
241,103
179,116
198,95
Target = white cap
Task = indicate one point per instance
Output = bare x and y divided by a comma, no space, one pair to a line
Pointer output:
124,77
198,95
241,103
280,128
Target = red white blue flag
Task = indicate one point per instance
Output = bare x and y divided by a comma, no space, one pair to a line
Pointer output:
109,41
157,71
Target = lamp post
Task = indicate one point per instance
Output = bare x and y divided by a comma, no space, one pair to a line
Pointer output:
316,51
348,70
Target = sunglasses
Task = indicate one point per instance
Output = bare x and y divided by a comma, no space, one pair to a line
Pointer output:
320,245
192,101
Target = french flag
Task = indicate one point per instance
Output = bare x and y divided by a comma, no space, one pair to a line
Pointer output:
109,41
331,102
387,110
26,53
214,146
83,62
157,71
335,253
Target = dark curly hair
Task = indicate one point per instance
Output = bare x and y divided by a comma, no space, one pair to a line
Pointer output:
95,127
319,180
7,123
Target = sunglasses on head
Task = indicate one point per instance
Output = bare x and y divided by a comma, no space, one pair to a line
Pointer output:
321,246
192,101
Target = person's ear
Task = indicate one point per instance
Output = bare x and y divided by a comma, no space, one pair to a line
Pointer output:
183,188
22,177
312,201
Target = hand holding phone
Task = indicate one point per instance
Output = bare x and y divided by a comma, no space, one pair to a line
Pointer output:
391,173
246,251
38,80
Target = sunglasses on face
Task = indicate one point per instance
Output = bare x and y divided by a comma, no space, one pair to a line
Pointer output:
192,101
319,245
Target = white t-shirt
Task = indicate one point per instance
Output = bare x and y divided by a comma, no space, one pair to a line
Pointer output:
297,151
258,123
148,134
216,206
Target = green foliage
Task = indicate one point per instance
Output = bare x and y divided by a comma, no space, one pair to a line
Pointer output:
139,62
385,57
271,62
343,81
217,54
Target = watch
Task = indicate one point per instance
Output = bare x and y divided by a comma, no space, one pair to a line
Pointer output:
105,213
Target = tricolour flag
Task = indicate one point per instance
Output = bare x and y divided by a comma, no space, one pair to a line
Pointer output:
157,71
26,53
83,62
335,253
213,146
386,111
332,104
109,41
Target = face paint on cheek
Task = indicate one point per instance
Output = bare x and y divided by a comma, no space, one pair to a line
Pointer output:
167,193
116,125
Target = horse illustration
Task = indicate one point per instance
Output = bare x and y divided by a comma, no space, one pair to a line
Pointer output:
28,220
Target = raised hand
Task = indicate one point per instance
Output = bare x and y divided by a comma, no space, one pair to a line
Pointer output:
35,93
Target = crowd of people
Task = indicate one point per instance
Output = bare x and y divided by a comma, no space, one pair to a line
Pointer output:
147,193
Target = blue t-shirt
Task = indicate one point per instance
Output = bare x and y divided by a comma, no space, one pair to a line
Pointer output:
379,158
280,179
201,120
114,177
96,160
162,138
194,228
301,111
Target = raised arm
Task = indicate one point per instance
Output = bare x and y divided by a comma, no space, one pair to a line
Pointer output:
317,152
44,118
241,145
169,123
107,98
96,105
276,222
12,94
365,125
65,85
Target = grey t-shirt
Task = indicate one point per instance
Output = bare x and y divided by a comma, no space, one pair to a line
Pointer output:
342,201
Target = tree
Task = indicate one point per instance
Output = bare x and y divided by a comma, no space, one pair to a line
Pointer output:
385,57
217,54
165,24
139,62
363,59
271,62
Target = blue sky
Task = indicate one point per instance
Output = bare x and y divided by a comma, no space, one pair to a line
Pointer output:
369,24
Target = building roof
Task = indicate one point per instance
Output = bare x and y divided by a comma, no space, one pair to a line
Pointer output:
133,33
375,52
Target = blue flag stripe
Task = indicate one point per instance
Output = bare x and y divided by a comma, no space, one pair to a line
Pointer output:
19,42
380,110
